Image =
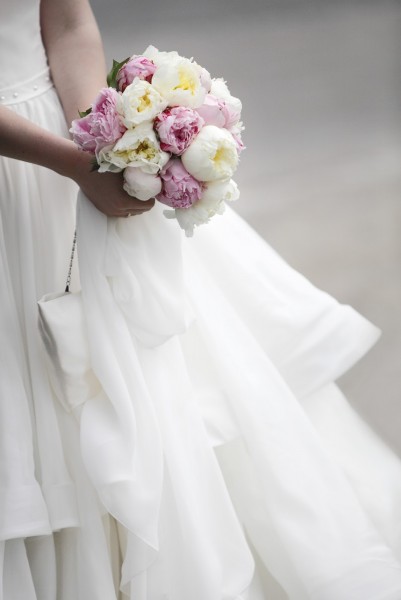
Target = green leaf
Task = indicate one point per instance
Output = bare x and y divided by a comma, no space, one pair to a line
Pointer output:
95,165
85,113
112,76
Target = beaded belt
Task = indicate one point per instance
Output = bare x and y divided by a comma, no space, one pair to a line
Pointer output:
20,92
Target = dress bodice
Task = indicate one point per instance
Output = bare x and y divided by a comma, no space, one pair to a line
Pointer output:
21,48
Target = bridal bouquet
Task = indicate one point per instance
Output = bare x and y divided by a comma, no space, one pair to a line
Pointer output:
173,131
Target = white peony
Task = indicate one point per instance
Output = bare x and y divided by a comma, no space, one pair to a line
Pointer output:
220,90
159,57
142,186
103,157
138,147
219,191
205,78
179,81
211,203
212,155
140,102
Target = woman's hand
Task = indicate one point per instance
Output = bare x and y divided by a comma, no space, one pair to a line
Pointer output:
105,190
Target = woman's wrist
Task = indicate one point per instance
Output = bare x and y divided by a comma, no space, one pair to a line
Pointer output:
75,163
23,140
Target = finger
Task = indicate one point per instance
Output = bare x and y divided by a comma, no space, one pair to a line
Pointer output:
131,213
132,210
140,204
132,206
132,201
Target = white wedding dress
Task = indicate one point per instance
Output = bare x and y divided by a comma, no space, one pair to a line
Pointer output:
217,459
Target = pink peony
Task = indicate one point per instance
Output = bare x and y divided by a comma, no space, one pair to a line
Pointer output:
176,128
137,66
103,126
106,121
180,189
215,111
82,134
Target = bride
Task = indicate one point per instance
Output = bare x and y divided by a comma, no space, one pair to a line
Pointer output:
214,458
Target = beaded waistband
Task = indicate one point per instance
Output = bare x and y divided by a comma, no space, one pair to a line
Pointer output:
26,90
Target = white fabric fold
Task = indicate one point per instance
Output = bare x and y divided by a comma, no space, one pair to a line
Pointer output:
118,428
152,299
305,499
143,440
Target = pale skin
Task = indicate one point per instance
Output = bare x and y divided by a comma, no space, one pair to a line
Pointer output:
75,54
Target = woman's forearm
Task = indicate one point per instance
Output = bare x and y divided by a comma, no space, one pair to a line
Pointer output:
24,140
75,53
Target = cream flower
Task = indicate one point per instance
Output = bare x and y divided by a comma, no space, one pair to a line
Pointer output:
138,147
211,203
142,186
205,78
212,155
140,102
158,57
179,81
217,192
104,156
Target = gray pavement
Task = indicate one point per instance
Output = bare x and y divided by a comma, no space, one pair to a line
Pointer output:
321,178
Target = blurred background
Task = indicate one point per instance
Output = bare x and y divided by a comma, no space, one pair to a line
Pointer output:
321,177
